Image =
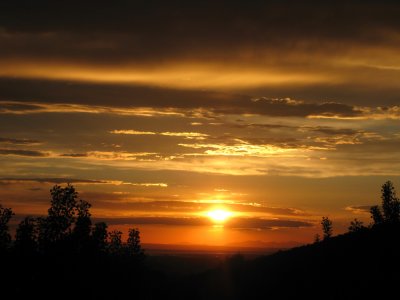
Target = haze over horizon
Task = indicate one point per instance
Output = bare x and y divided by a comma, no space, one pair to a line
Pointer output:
202,122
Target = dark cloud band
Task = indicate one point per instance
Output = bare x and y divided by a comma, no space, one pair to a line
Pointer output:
234,223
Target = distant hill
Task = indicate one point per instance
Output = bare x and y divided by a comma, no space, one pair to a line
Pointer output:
360,265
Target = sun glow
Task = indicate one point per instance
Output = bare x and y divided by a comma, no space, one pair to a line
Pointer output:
219,215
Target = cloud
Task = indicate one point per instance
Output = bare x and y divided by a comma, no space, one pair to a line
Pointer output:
359,209
187,135
48,180
132,132
76,155
37,96
233,106
122,155
332,130
234,223
183,30
291,107
55,180
259,223
13,107
136,203
19,141
241,148
258,48
19,152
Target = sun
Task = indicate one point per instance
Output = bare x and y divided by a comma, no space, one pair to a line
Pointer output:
219,215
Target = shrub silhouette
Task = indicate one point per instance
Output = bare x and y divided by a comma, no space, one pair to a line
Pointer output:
326,227
356,226
317,238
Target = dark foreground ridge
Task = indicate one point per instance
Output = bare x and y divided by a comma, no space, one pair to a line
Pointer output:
357,265
361,264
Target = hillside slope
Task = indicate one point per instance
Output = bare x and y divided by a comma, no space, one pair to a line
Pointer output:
361,265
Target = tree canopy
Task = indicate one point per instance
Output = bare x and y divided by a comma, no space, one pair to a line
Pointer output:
389,212
67,229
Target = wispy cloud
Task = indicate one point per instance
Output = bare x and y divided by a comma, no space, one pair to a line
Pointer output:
21,108
60,180
243,106
22,152
19,141
359,209
113,155
234,223
242,148
132,132
187,135
133,203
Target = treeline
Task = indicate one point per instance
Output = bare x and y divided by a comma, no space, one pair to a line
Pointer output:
67,229
388,213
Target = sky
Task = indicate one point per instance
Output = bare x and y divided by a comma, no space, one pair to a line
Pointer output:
272,113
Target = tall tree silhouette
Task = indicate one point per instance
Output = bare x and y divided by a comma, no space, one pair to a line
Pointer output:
5,237
390,203
67,226
390,212
133,242
326,227
61,215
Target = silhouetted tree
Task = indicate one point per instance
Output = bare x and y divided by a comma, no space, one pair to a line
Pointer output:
133,242
115,245
99,236
5,237
390,212
61,215
356,226
83,224
326,227
390,203
26,236
376,215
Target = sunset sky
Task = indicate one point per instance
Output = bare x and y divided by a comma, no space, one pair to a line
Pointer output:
273,113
